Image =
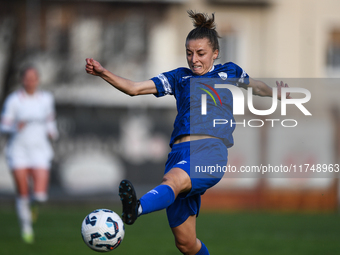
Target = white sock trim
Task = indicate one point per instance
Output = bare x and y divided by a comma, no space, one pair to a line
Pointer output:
140,209
40,197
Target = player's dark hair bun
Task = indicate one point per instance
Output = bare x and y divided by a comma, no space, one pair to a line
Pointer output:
204,28
201,20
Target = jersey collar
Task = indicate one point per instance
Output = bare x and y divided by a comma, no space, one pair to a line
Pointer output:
212,69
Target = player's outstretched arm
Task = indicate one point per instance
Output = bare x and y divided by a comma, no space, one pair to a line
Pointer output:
262,89
125,85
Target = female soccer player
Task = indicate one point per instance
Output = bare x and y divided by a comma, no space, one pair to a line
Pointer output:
28,118
179,191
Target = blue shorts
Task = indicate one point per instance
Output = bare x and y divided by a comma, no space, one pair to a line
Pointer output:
194,158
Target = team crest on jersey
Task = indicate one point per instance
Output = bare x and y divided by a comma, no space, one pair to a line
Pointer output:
223,75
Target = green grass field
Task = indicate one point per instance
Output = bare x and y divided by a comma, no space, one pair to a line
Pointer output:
58,232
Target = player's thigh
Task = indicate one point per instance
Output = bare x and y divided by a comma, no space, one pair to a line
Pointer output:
178,180
185,235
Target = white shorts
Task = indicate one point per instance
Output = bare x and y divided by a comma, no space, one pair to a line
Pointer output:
21,156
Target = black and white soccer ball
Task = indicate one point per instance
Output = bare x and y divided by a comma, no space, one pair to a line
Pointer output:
102,230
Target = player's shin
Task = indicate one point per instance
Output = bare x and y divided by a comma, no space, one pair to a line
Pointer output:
25,218
157,199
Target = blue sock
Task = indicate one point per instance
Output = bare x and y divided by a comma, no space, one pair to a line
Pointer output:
157,199
203,250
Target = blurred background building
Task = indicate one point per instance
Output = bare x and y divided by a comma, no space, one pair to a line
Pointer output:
106,135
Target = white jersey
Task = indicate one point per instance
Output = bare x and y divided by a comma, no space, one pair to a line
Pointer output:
29,146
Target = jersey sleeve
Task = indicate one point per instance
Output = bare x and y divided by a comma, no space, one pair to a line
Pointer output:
243,77
165,83
8,116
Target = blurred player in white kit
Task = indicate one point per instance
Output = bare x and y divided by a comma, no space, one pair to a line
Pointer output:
28,118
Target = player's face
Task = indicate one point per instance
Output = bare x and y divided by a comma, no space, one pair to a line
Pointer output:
200,55
30,80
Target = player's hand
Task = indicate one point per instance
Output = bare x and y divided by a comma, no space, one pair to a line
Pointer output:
93,67
280,85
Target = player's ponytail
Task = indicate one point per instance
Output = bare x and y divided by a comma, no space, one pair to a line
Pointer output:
202,20
204,28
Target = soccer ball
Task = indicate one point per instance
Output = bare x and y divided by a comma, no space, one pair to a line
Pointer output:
102,230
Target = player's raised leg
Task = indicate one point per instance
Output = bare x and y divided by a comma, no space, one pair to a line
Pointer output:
174,182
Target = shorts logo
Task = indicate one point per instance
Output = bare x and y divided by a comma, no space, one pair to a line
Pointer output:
182,162
223,75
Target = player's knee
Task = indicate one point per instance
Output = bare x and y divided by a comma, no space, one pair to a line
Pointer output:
186,246
178,180
171,182
167,179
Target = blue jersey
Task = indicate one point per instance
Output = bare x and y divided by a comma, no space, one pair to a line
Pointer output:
182,84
